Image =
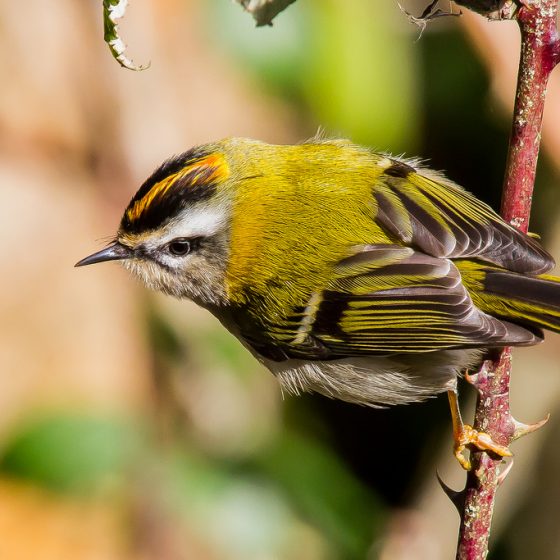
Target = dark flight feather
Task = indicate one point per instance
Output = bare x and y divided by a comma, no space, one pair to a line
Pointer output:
446,221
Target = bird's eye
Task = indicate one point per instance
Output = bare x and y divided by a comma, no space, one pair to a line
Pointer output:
179,247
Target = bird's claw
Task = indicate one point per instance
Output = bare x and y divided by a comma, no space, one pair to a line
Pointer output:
469,437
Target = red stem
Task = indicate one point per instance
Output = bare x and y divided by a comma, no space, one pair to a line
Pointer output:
540,52
539,55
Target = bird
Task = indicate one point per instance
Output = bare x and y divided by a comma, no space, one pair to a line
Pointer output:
348,272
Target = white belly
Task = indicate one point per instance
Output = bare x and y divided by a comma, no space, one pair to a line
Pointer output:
375,380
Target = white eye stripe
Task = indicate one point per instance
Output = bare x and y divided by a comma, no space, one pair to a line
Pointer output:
197,222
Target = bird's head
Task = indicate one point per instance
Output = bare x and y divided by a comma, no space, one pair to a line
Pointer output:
174,233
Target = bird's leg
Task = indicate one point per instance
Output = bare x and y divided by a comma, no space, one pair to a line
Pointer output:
465,435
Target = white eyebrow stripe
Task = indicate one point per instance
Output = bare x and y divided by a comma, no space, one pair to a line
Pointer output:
203,221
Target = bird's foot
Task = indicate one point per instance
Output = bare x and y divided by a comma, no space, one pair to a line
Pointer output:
467,436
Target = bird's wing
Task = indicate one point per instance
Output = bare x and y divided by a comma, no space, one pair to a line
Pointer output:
439,218
386,299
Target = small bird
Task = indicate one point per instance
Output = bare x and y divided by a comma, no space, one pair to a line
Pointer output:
351,273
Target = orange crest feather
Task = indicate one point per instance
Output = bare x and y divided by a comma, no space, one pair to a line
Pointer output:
199,173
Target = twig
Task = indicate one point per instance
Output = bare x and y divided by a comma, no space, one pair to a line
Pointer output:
113,10
540,52
264,11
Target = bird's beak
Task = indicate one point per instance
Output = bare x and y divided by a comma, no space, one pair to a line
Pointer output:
114,252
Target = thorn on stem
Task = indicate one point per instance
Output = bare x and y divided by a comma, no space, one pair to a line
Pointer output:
480,379
457,497
520,429
471,379
503,475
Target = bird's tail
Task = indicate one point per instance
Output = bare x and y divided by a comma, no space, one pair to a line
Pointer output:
532,301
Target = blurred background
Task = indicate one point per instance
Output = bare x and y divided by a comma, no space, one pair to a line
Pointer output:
132,426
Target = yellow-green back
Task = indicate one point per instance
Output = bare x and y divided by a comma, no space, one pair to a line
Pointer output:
305,208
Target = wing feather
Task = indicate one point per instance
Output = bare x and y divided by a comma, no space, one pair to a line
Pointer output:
441,219
406,296
387,299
